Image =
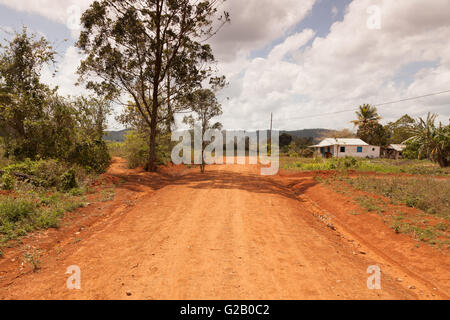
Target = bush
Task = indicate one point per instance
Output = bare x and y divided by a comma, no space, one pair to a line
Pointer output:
15,210
93,155
48,174
116,149
68,180
136,149
7,182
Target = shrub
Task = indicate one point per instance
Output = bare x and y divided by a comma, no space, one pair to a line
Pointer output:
92,155
49,174
116,149
15,210
7,182
68,180
136,149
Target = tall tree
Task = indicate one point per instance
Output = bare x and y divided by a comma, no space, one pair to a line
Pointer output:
134,46
369,129
400,130
205,106
22,95
366,114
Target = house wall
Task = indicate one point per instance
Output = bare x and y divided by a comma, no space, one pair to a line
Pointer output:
352,151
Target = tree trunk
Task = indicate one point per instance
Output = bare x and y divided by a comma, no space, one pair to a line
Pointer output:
156,81
154,123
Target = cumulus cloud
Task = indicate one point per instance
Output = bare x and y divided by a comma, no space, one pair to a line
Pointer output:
67,12
257,23
66,76
350,66
301,74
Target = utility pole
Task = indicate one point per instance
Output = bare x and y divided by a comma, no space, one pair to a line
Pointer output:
271,127
271,123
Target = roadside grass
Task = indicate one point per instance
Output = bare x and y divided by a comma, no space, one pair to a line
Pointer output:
40,200
24,212
108,194
425,193
417,167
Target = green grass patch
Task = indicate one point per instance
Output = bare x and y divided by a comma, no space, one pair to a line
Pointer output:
417,167
33,211
38,202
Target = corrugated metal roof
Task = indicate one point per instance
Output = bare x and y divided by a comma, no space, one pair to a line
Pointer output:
398,147
341,142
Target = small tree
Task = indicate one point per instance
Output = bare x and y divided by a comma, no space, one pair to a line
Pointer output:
433,141
206,107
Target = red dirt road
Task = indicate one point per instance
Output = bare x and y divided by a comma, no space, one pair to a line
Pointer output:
229,234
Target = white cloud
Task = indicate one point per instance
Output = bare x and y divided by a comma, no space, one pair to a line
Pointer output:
350,66
303,75
291,44
66,77
67,12
257,23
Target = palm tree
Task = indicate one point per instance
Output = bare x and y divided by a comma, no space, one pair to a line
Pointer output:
366,114
434,141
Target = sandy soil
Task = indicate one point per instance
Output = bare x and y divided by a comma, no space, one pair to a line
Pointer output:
229,234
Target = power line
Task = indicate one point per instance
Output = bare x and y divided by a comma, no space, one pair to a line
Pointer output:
375,105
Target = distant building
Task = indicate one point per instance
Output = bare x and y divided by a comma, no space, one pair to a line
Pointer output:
341,148
394,151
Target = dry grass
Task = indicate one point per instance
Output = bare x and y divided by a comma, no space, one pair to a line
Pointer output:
426,193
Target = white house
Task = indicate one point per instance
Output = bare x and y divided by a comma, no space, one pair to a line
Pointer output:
341,148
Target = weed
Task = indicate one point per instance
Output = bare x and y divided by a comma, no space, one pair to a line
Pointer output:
369,204
33,258
427,194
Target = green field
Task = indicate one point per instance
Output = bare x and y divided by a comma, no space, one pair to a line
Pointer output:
419,167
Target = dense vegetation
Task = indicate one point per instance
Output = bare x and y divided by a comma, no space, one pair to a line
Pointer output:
50,146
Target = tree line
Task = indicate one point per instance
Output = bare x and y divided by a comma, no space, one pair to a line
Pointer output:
423,137
149,56
37,123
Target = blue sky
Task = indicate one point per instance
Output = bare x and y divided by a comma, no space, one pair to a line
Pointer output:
343,64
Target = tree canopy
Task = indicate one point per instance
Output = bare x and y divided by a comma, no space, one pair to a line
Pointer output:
152,50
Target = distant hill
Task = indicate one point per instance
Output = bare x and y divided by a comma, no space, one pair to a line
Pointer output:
116,136
316,134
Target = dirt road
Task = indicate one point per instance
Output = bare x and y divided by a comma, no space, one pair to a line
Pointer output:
230,234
